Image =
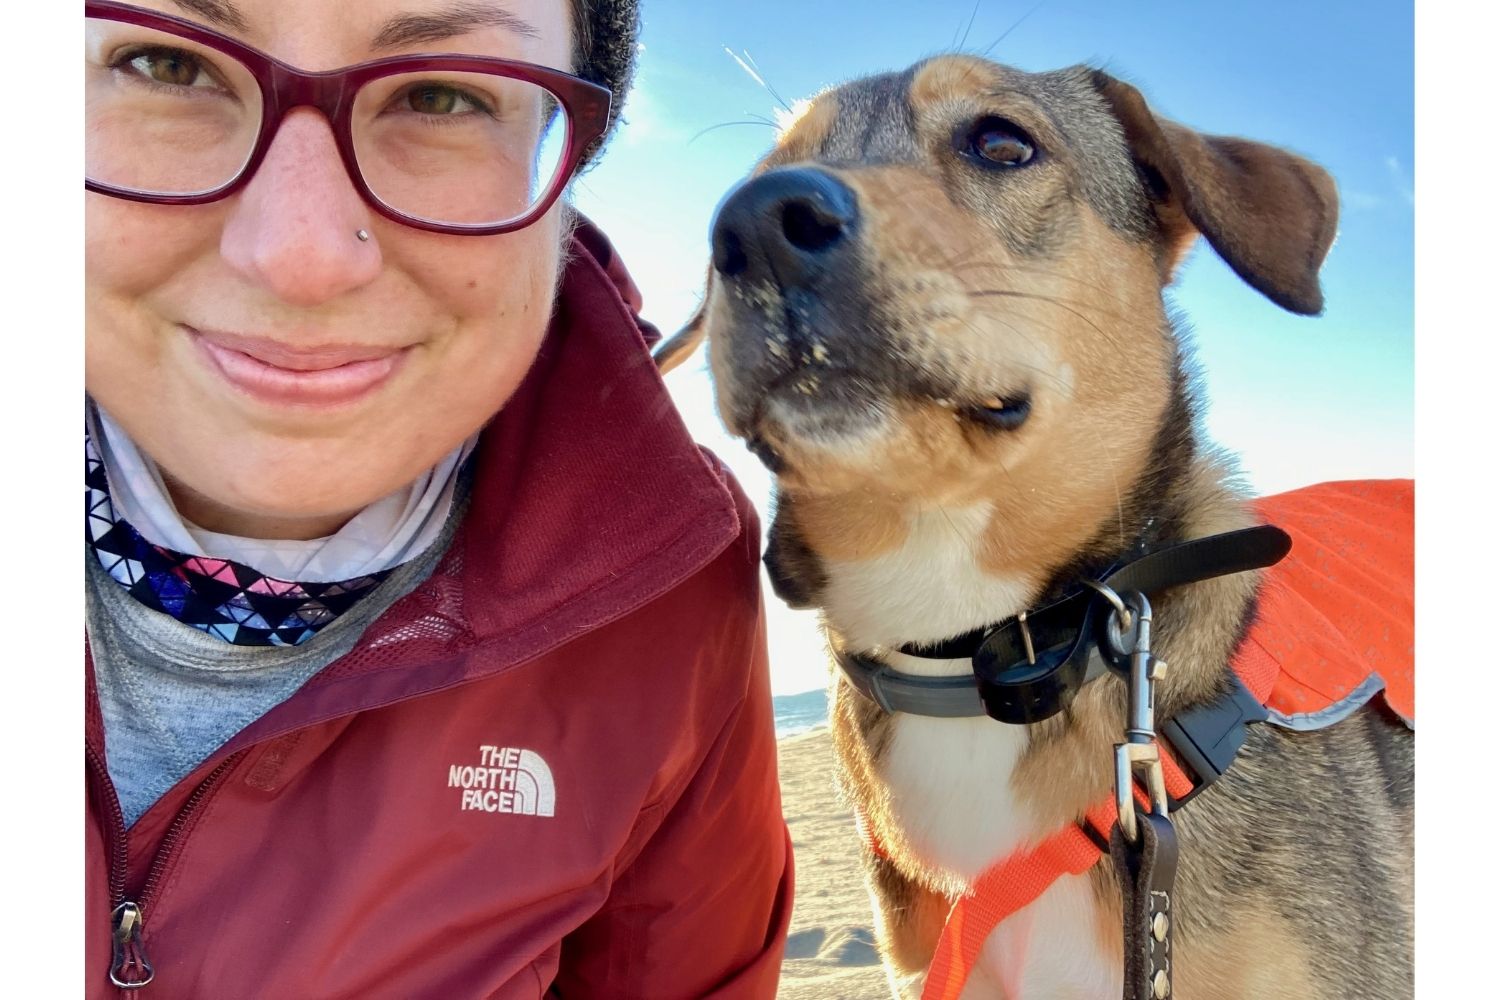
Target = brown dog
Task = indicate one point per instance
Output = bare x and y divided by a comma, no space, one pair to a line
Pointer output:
936,313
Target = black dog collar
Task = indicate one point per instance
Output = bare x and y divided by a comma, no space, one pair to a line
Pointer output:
1029,668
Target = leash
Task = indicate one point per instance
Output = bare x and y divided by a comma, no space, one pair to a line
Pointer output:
1030,668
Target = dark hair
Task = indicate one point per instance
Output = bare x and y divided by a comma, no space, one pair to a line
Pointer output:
604,52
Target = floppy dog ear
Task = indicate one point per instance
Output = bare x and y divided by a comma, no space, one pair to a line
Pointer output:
675,350
1272,216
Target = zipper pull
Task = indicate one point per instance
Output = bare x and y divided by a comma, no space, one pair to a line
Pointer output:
131,968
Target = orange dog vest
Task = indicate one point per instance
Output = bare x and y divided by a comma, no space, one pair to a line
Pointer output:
1333,629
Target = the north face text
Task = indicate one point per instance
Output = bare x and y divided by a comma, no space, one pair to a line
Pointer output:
506,780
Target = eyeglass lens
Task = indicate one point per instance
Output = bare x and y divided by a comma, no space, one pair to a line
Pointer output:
169,116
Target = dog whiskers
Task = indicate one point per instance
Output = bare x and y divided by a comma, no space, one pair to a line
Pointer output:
1006,33
966,262
998,293
958,47
714,128
956,533
749,65
1105,457
968,359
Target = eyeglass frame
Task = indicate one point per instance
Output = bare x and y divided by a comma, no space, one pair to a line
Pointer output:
585,107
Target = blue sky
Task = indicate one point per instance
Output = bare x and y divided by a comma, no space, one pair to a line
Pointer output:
1300,400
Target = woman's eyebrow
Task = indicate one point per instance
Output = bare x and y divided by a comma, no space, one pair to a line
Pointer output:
403,29
458,19
219,12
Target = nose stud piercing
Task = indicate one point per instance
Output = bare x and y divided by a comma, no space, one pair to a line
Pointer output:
363,236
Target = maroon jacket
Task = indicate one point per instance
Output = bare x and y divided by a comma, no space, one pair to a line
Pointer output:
550,770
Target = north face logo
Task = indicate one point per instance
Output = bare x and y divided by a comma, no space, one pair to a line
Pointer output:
506,780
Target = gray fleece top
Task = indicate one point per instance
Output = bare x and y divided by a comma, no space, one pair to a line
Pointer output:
171,694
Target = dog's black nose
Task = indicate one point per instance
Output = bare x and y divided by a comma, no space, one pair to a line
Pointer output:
789,225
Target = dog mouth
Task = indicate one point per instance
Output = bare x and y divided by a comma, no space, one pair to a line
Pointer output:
817,401
814,401
812,381
836,369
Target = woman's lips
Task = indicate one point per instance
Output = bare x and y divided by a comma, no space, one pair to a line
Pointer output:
330,375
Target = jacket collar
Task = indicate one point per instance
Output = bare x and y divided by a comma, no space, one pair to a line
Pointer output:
590,496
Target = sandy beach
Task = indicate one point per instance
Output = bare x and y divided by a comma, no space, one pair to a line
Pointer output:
830,952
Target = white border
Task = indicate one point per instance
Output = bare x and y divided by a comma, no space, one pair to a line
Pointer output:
41,586
1458,666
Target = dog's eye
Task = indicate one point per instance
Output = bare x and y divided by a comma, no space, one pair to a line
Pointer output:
997,141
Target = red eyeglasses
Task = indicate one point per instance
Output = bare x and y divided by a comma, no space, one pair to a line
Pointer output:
177,114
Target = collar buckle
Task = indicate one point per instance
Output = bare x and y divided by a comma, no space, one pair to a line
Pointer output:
1030,668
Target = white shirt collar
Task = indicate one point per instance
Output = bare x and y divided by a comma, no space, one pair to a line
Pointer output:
387,533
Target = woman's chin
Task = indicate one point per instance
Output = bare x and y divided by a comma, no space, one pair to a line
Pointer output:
275,506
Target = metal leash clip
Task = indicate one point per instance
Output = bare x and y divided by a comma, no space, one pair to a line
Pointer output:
1128,635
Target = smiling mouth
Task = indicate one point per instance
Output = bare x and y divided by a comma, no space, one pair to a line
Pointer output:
274,373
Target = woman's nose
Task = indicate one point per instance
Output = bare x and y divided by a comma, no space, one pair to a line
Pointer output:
293,228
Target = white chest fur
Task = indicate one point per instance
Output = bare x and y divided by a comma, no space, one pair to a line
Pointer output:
949,781
930,587
1049,951
950,788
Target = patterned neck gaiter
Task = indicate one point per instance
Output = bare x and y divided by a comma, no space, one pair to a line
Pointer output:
226,599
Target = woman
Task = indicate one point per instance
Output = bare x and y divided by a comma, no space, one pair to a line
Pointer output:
425,652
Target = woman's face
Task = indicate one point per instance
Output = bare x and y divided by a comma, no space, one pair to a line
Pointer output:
282,372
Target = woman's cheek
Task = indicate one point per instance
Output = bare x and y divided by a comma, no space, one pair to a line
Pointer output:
131,249
503,300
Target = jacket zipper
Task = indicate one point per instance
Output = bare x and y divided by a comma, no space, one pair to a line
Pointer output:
130,969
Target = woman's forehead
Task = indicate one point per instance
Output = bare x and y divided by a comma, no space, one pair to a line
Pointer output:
326,34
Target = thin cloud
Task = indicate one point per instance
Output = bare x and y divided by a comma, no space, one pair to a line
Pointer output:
1401,182
1361,201
647,117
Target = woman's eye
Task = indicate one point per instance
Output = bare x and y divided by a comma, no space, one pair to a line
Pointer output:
170,67
997,141
434,99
